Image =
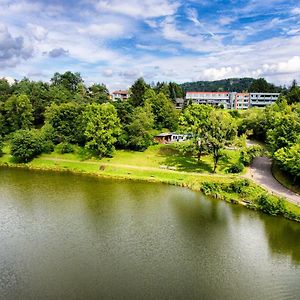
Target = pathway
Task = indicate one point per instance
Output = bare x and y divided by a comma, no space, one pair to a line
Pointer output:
260,172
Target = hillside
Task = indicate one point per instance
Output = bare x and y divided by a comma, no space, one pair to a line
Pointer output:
230,85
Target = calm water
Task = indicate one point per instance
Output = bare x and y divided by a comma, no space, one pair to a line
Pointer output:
75,237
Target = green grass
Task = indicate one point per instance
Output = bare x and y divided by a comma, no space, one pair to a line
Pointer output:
159,156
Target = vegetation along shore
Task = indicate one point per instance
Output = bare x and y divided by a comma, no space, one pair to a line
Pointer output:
67,126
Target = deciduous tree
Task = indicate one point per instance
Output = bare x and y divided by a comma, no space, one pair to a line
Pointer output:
102,126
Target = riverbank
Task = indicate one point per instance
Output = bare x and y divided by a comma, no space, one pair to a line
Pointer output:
231,188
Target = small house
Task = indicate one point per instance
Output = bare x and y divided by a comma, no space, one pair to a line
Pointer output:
163,138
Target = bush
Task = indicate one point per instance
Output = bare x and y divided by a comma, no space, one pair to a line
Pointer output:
235,168
48,146
64,147
209,188
270,205
238,186
248,154
26,145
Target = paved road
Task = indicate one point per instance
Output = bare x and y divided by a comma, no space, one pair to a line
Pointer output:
260,172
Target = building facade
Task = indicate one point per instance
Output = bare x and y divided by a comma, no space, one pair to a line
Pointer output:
120,95
232,100
263,99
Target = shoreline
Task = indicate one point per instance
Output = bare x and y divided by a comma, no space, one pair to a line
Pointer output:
191,181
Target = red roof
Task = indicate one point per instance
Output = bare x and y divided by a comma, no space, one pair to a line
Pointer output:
120,92
207,92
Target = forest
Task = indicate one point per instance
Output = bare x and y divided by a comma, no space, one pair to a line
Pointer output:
38,117
238,85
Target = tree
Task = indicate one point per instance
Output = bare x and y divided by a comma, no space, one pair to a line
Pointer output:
283,125
102,126
26,145
293,96
98,93
194,120
68,80
262,86
66,121
139,136
165,115
137,92
288,159
124,111
59,94
176,91
253,120
221,131
18,112
5,90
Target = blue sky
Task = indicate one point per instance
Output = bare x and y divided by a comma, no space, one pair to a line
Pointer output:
116,41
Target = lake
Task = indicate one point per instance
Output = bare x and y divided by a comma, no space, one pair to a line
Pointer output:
66,236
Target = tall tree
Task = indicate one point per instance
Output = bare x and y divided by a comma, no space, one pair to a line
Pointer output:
18,112
66,121
137,92
139,136
5,90
68,79
221,131
262,86
102,126
165,115
98,93
195,120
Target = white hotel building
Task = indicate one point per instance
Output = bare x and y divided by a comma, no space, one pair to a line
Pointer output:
232,100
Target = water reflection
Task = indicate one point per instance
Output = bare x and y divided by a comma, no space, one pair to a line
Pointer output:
81,237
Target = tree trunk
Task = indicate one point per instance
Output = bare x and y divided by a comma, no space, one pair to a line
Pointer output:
216,158
199,155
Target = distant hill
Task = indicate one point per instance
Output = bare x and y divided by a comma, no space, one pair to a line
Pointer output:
226,85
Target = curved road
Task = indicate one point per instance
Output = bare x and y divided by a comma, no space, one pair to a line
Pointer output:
260,172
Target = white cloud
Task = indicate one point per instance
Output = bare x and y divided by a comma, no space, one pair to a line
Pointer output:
296,11
139,9
38,32
106,30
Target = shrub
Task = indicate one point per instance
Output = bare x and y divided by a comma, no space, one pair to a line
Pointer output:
235,168
48,146
248,154
209,188
26,145
270,205
238,186
65,148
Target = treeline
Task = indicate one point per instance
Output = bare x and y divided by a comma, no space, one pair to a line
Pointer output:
36,116
233,85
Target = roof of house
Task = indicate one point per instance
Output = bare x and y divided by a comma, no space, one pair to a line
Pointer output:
163,134
120,92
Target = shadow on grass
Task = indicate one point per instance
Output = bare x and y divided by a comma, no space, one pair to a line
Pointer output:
183,163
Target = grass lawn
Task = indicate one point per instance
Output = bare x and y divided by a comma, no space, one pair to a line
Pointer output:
159,156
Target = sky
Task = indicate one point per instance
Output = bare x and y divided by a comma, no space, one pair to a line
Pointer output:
117,41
